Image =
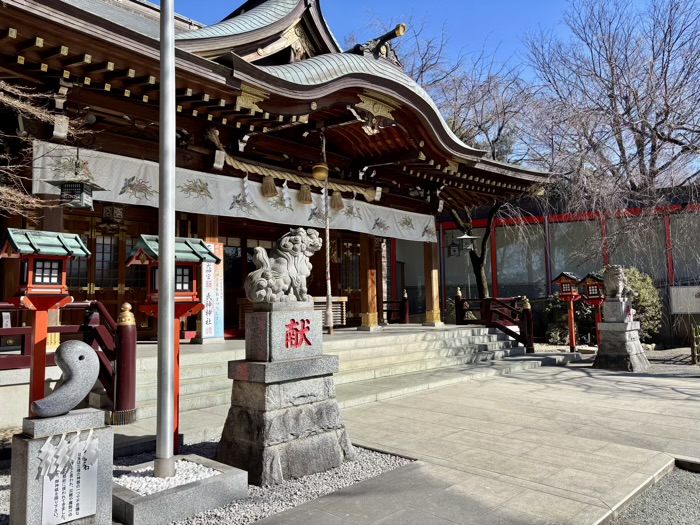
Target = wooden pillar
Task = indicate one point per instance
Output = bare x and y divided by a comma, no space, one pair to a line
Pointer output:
431,268
208,228
381,280
368,283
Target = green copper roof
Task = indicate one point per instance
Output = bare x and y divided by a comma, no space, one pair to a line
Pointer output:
28,242
186,250
329,67
259,17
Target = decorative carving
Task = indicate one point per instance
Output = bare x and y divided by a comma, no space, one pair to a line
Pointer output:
80,367
615,283
250,98
282,276
381,47
375,107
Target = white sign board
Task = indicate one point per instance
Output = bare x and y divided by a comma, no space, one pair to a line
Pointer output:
72,494
685,300
6,320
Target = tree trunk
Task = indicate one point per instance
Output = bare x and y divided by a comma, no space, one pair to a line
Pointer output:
482,284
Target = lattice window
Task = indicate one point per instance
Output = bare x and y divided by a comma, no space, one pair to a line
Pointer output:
136,273
77,274
47,272
107,261
183,279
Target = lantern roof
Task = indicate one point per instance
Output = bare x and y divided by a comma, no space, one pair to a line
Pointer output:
51,244
187,250
566,277
592,278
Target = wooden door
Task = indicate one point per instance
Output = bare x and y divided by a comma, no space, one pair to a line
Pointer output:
350,285
104,276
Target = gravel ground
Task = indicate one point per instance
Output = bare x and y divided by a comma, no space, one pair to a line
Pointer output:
4,492
675,500
262,502
144,483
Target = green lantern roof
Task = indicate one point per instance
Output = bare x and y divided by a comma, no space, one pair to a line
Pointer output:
186,250
28,242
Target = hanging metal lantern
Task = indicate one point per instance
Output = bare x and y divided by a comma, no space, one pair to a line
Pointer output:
74,180
467,242
76,192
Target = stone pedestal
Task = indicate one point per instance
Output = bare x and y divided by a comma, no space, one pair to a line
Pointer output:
80,493
620,347
284,420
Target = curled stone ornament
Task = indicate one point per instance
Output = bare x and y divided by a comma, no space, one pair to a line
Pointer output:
80,367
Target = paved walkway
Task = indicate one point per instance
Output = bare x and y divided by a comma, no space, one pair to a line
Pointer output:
549,445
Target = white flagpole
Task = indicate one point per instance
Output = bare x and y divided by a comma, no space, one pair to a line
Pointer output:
164,466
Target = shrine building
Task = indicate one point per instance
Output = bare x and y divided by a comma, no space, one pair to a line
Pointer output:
263,97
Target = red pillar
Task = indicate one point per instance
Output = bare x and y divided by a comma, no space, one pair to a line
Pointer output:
598,320
572,328
37,370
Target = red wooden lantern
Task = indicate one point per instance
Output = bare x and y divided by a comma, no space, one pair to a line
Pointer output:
43,258
189,256
568,291
594,294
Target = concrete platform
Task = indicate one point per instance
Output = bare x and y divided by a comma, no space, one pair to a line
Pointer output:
207,423
554,446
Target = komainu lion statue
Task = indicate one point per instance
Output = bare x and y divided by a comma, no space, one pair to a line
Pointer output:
615,282
281,277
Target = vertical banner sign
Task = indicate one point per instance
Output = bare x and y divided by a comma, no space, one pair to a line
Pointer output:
213,295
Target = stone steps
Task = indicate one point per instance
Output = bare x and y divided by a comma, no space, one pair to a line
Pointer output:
405,348
410,367
350,362
188,402
413,335
204,378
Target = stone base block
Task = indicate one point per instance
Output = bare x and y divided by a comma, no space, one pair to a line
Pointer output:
620,348
268,337
27,487
615,311
279,371
274,464
622,362
284,430
180,502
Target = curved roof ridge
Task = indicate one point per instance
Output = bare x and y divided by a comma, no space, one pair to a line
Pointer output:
263,15
322,69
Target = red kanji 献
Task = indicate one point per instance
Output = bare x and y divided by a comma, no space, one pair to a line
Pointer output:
296,334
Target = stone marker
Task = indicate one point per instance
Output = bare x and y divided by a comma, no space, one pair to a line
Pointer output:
620,347
284,420
62,470
80,367
62,465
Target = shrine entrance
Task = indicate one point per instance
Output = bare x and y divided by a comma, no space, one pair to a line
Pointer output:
104,277
348,283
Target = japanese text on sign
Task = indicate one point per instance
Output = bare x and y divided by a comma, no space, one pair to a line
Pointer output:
296,334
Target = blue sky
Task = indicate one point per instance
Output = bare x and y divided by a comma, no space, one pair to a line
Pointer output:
496,25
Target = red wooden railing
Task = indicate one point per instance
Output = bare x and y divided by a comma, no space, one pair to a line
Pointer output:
112,343
502,313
